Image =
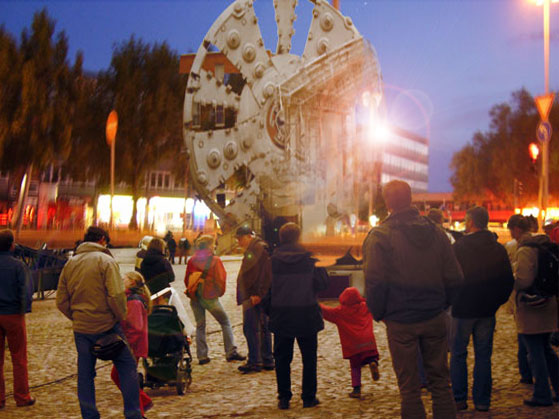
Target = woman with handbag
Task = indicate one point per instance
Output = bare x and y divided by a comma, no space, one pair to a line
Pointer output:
135,327
205,281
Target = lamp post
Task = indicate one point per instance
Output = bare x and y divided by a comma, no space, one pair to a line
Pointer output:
544,176
110,132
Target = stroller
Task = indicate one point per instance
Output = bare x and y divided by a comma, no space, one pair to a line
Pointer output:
169,361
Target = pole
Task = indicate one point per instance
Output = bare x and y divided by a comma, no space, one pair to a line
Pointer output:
111,222
544,180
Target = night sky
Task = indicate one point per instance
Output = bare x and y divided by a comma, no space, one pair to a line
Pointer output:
455,58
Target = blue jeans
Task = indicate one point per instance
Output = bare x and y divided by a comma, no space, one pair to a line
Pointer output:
126,367
482,331
544,365
216,310
258,337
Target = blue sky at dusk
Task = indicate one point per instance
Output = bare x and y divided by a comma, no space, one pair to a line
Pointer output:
456,58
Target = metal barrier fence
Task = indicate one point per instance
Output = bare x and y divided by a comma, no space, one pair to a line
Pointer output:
45,265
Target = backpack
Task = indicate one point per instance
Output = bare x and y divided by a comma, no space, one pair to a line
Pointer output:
546,283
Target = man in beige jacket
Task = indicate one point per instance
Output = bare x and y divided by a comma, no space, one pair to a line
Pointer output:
536,318
91,294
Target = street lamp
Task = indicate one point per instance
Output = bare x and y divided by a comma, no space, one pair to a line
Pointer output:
544,177
110,132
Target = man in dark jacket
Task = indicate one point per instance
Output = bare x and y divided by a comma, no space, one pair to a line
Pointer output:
171,245
295,313
411,275
16,293
253,283
488,282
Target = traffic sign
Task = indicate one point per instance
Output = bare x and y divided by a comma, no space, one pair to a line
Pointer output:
544,131
543,103
111,127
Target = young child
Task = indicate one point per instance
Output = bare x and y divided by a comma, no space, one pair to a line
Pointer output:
355,326
135,327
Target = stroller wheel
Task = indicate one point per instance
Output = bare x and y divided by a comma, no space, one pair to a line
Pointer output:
181,382
188,379
184,376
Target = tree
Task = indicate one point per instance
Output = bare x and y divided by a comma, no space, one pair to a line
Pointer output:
89,157
489,164
148,95
42,107
9,85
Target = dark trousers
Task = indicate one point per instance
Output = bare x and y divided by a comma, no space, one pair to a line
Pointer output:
283,355
431,338
544,365
523,365
258,336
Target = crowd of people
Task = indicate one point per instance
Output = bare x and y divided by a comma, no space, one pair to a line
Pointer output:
432,290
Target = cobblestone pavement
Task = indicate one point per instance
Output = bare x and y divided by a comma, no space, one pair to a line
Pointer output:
218,390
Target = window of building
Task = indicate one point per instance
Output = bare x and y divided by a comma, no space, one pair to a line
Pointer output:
167,181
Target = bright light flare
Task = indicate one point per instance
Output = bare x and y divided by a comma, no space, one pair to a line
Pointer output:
378,130
534,151
373,220
541,2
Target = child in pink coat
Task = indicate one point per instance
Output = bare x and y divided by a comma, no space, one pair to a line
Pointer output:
355,326
135,327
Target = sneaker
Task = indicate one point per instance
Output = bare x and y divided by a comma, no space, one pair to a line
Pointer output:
235,356
374,370
536,403
249,368
356,393
311,403
269,367
204,361
482,408
461,405
283,404
29,402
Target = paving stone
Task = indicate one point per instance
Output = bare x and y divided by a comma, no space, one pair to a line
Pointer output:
219,391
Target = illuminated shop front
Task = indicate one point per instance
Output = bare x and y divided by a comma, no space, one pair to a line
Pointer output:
162,213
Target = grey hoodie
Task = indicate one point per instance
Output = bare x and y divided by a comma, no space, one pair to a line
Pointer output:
91,290
411,272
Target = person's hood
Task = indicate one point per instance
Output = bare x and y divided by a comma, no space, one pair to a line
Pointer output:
481,239
350,296
291,254
533,239
257,240
201,255
87,247
419,230
152,257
